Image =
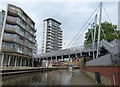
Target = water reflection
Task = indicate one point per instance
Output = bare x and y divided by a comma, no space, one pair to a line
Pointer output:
57,77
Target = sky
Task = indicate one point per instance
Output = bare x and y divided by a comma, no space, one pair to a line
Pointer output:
72,15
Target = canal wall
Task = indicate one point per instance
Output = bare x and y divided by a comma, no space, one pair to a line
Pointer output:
18,70
109,75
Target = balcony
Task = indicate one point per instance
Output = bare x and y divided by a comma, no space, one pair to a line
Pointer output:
9,29
12,12
7,49
8,39
11,20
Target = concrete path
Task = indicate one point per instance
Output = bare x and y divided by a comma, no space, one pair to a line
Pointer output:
79,78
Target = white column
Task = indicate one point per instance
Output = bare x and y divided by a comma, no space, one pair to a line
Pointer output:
89,53
62,57
76,55
81,54
70,58
56,58
46,62
9,60
2,60
51,59
15,61
46,59
21,62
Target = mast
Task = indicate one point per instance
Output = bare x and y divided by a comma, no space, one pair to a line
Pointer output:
92,25
98,43
94,35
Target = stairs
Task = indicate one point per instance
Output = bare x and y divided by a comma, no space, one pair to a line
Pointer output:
112,47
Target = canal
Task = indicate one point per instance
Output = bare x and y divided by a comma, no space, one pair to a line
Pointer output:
56,77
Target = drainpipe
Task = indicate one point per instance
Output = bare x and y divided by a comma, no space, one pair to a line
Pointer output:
114,81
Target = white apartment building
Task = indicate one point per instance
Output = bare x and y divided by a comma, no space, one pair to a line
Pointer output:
52,35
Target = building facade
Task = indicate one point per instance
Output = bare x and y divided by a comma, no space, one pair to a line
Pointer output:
52,35
2,14
119,15
17,38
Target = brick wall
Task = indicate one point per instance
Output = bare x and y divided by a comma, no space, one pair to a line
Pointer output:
108,72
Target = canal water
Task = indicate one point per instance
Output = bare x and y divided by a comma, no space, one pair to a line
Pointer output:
56,77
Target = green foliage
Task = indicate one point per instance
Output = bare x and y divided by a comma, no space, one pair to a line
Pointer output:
108,32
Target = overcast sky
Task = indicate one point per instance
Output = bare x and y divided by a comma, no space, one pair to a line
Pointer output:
72,15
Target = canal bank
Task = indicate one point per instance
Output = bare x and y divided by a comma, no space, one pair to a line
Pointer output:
23,70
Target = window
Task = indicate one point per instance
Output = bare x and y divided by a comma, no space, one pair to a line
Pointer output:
22,15
30,23
23,24
21,31
30,45
30,52
30,38
21,40
18,21
20,49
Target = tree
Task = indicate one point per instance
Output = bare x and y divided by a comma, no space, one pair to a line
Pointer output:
108,32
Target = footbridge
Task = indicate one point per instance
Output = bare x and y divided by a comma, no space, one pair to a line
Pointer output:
109,53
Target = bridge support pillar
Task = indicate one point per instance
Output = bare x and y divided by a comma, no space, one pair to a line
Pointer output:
2,59
15,61
56,58
81,54
32,62
75,55
62,57
21,62
51,59
89,53
46,62
9,59
70,58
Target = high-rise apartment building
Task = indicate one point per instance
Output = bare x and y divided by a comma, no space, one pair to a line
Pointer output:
52,35
17,37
